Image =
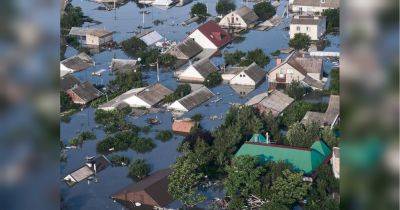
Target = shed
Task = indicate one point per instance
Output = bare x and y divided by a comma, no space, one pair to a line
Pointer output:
84,93
123,65
151,191
75,63
150,37
273,101
211,36
183,126
306,160
198,72
252,75
185,50
192,100
69,81
244,17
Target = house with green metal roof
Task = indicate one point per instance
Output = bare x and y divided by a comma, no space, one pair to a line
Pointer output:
306,160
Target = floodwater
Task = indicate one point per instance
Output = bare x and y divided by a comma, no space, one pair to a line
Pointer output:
124,21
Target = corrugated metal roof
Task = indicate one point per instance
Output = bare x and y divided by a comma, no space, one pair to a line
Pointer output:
151,38
154,94
196,98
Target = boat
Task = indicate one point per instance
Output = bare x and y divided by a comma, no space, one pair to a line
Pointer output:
153,121
99,72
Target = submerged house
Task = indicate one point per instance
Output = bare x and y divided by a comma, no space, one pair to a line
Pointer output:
252,75
92,36
313,6
185,50
211,36
139,97
243,17
165,3
306,160
123,65
273,101
150,37
91,168
76,63
183,2
84,93
300,67
183,126
149,193
192,100
313,26
329,118
198,71
68,82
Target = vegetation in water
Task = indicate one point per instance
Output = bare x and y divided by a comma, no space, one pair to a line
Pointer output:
119,160
83,136
244,59
199,9
139,169
264,10
300,42
332,19
224,7
164,135
213,79
181,91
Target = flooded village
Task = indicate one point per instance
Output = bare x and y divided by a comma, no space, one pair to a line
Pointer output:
228,104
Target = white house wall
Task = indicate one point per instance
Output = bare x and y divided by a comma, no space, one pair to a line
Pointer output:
310,30
135,101
291,73
242,79
191,74
238,21
177,107
202,40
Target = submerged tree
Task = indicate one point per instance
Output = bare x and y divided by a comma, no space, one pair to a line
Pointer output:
224,7
198,9
139,169
300,41
264,10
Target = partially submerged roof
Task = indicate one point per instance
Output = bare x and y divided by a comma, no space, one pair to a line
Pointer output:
150,37
306,20
78,62
218,36
164,2
119,100
154,94
247,14
302,159
189,47
205,67
318,3
123,64
153,190
82,173
79,31
195,98
273,101
69,81
255,72
325,119
183,125
86,91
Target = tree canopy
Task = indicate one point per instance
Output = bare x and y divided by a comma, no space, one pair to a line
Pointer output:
224,7
264,10
244,59
199,9
300,135
296,90
300,41
139,169
213,79
332,19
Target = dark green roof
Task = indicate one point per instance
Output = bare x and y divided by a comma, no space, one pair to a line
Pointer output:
306,160
258,138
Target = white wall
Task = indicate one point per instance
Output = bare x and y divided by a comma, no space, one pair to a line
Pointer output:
242,79
238,22
191,74
135,101
291,73
202,40
312,31
177,106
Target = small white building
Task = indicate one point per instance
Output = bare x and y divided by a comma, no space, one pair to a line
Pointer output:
92,36
192,100
139,97
313,26
198,71
313,6
252,75
243,17
211,36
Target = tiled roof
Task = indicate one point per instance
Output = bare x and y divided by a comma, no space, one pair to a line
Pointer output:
86,91
302,159
69,81
154,93
215,33
183,125
205,67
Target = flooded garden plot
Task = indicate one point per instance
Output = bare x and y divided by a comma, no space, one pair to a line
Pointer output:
124,21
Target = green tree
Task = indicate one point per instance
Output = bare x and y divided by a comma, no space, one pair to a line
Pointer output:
213,79
289,188
272,127
234,57
181,91
300,135
274,206
330,138
243,177
257,56
264,10
133,46
296,90
139,169
164,135
167,60
335,82
300,41
119,160
197,117
224,7
295,112
66,103
142,145
198,9
332,19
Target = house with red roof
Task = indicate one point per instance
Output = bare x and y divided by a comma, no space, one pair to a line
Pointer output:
211,36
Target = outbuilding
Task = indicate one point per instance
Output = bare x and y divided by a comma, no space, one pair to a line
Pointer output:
84,93
185,50
198,71
192,100
273,101
76,63
252,75
244,17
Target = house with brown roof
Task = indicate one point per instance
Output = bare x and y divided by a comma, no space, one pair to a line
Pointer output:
185,50
198,71
139,97
92,36
252,75
243,17
192,100
69,81
76,63
313,26
149,192
273,101
314,6
329,118
84,93
297,67
211,36
183,126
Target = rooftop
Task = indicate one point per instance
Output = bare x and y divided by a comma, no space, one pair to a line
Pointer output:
69,81
149,37
255,72
215,33
247,14
324,119
79,31
307,20
196,98
78,62
183,125
86,91
123,64
189,47
318,3
154,94
273,101
205,67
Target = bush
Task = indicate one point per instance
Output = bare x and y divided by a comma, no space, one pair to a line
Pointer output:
300,42
120,142
335,82
276,53
133,46
181,91
257,56
296,90
164,135
224,7
264,10
332,19
146,129
142,145
73,17
295,112
198,9
83,136
167,60
139,169
234,58
213,79
197,117
66,103
118,160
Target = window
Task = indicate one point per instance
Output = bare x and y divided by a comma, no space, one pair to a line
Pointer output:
307,28
322,1
298,28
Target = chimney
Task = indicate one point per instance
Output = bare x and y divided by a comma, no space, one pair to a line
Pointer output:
267,137
278,61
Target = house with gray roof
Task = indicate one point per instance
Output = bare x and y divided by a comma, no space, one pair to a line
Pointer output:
92,36
198,71
244,17
75,63
123,65
185,50
272,101
69,81
84,93
329,118
252,75
192,100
